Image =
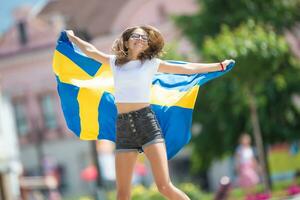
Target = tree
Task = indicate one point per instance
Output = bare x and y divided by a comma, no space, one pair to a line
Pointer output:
257,92
258,95
281,14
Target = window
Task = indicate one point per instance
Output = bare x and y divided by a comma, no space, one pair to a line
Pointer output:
20,117
48,111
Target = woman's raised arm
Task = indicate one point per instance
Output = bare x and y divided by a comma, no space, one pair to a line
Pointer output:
88,49
192,68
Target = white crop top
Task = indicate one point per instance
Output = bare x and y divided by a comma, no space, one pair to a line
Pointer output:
133,80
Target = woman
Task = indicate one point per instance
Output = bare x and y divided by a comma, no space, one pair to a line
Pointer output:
246,165
134,63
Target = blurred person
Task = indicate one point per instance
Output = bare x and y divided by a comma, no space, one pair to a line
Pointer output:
246,165
134,63
224,189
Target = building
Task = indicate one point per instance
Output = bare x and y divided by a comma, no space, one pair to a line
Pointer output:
26,51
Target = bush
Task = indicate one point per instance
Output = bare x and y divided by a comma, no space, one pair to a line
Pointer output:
141,193
194,192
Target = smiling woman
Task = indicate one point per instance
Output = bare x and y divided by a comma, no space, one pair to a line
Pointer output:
133,64
138,43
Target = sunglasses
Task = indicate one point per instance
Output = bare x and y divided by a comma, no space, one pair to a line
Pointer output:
137,36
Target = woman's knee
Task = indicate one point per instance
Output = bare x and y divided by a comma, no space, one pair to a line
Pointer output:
165,187
123,195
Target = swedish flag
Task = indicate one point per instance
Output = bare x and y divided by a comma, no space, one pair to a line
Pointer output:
86,91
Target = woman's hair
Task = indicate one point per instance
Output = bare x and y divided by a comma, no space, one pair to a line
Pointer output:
155,45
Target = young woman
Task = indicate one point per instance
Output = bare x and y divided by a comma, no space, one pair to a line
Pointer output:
134,63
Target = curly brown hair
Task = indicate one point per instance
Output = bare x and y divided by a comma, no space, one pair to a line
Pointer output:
155,45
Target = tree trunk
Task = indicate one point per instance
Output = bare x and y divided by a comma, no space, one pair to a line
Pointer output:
259,141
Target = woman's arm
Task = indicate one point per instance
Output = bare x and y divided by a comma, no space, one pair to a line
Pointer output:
87,48
192,68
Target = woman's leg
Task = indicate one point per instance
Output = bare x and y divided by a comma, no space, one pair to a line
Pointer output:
156,153
124,163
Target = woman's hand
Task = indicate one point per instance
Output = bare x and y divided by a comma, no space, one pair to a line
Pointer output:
87,48
226,63
70,33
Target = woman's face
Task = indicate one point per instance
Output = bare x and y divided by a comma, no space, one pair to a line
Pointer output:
138,41
246,140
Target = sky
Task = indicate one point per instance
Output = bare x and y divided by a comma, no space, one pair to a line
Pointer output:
6,8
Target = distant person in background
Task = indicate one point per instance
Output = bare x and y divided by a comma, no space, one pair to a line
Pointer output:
246,165
224,189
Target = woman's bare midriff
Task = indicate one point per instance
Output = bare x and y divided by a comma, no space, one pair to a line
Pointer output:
127,107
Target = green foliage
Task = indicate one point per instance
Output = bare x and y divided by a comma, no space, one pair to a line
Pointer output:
79,198
170,52
251,33
257,49
280,14
193,191
278,190
266,67
141,193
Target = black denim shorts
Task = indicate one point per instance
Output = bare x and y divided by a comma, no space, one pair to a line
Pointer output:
137,129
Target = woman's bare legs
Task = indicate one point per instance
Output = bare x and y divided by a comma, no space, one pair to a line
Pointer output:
156,154
124,163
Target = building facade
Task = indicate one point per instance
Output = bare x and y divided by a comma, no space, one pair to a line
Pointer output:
26,51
